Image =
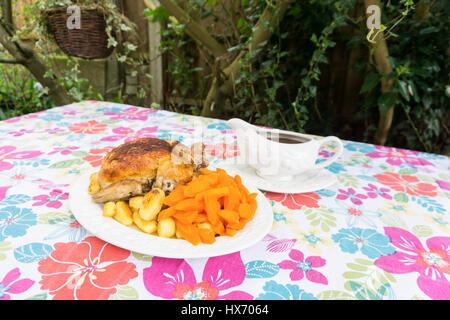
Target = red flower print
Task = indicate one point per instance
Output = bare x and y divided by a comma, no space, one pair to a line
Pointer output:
406,183
295,200
199,291
90,127
132,113
222,150
89,270
52,200
96,156
301,267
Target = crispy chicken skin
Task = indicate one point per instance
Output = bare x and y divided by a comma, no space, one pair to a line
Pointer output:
135,167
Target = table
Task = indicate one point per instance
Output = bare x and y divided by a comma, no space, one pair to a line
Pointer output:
381,232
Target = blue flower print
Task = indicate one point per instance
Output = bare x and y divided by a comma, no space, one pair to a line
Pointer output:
221,126
276,291
335,167
371,243
109,110
361,147
14,222
51,117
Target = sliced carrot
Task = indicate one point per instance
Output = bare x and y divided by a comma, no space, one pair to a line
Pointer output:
189,232
238,225
175,196
229,216
190,205
196,186
245,210
206,235
214,192
213,198
218,228
185,216
253,204
232,200
166,213
230,232
200,218
212,207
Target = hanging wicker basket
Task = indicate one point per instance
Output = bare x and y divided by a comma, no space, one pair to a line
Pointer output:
88,42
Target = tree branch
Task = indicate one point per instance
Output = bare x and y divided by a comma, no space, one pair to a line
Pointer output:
11,61
384,67
197,32
263,30
31,60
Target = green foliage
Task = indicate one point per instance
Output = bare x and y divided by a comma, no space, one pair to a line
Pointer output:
281,84
116,23
421,79
18,94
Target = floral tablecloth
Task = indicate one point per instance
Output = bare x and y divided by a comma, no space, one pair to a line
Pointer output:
381,232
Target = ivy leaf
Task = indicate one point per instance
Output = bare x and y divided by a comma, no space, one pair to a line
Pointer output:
370,82
387,101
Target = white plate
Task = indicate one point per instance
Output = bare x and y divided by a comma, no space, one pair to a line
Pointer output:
89,215
308,181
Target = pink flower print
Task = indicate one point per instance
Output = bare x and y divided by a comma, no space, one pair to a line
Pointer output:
11,285
432,264
352,195
52,200
444,185
6,153
19,133
174,278
302,267
397,156
181,128
129,134
3,191
27,116
373,192
64,150
132,113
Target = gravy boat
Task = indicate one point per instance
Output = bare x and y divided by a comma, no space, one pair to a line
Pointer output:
277,154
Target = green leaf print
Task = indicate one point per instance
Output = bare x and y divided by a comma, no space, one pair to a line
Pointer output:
348,180
4,247
66,164
125,293
53,218
320,217
422,231
367,281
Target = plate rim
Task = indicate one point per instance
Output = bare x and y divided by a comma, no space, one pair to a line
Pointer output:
263,204
227,165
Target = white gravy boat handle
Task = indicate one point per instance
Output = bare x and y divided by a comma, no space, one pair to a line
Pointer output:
337,154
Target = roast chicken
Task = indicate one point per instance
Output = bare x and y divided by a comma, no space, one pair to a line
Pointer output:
134,168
